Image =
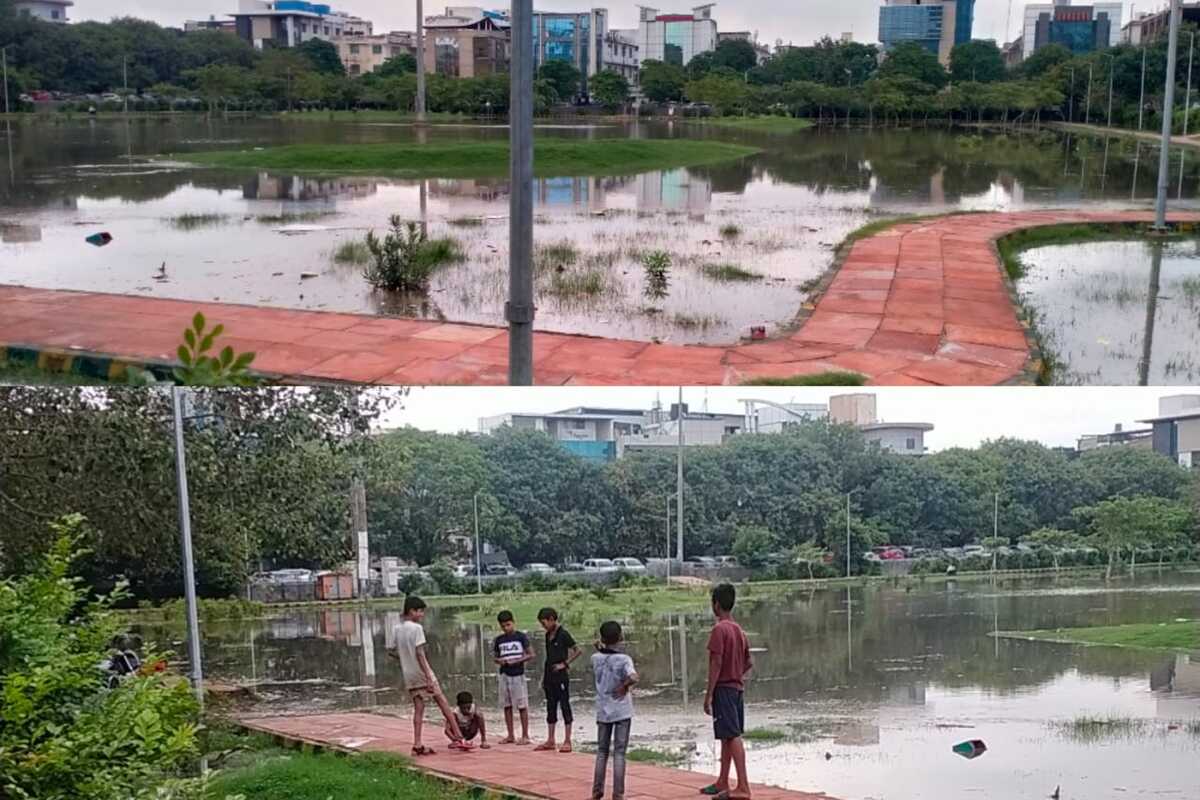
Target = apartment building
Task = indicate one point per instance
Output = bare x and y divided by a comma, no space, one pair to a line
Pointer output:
290,23
676,38
365,53
46,10
467,42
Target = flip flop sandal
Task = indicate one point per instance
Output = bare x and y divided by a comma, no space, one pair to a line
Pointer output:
566,748
711,790
423,751
544,748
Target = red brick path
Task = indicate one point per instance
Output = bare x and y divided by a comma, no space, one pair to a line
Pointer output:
504,767
922,303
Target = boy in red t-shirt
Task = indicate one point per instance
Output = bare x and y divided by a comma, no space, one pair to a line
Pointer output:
728,663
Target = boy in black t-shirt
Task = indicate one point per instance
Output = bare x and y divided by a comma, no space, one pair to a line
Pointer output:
561,650
511,652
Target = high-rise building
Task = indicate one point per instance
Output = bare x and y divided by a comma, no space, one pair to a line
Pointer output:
676,38
574,37
937,25
289,23
1080,29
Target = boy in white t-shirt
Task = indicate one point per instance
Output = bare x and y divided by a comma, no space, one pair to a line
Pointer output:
615,676
419,680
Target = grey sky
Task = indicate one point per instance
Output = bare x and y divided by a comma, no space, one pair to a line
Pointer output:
796,21
962,416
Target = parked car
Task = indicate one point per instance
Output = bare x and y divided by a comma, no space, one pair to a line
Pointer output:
538,568
892,554
464,570
290,576
599,565
499,569
629,565
727,561
871,555
573,566
707,562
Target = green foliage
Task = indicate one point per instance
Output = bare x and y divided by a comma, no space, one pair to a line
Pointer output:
978,61
662,82
610,89
657,267
405,259
1044,59
725,93
563,76
1127,524
911,60
307,776
752,544
827,378
63,732
397,65
323,56
201,368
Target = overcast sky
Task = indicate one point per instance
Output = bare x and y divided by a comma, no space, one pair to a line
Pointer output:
795,21
961,416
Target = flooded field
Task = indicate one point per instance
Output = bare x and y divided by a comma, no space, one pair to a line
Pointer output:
746,239
858,694
1118,313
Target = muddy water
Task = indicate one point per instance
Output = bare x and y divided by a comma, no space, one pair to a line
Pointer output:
870,702
1118,313
262,237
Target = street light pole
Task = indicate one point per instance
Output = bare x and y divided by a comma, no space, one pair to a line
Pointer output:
420,101
1142,97
185,536
520,310
478,549
1087,113
1071,98
679,480
125,79
1187,104
1164,156
848,533
4,63
1112,68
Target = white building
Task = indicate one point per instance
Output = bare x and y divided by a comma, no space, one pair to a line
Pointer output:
48,10
362,54
676,38
290,23
622,54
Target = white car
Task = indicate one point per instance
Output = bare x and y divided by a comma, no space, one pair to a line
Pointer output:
538,568
629,565
464,570
599,565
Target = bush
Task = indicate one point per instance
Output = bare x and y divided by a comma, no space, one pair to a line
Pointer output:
63,732
406,258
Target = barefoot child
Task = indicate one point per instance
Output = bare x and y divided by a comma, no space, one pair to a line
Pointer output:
728,663
419,680
512,652
561,650
470,721
615,676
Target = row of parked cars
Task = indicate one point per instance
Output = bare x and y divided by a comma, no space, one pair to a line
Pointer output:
593,565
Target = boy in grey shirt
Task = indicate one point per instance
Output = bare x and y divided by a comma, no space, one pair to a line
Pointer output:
615,676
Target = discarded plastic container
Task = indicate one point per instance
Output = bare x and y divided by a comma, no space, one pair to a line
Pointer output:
758,333
973,748
99,239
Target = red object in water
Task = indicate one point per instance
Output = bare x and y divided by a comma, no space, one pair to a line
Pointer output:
758,333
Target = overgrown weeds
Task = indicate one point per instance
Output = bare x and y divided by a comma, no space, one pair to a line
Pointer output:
406,258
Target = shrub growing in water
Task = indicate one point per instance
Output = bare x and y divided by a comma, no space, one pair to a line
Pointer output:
657,265
406,257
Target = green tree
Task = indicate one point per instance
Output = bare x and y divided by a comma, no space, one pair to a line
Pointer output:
1127,524
911,60
63,732
610,89
1044,59
219,83
726,95
808,553
1053,540
564,76
662,82
976,61
398,65
323,56
738,55
752,544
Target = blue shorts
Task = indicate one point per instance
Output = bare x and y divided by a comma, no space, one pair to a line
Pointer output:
729,713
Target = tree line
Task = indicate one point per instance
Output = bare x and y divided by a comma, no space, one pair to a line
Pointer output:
270,472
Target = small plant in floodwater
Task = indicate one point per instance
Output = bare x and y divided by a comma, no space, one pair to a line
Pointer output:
290,218
467,222
829,378
657,266
352,252
574,285
647,755
764,735
406,257
730,231
555,256
692,322
191,222
729,272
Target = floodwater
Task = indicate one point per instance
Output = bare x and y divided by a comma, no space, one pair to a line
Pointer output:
1118,313
269,238
870,703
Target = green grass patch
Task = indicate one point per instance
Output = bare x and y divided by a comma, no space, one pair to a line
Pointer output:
467,222
646,755
13,374
193,222
764,735
370,115
554,255
580,284
730,231
1013,245
770,124
291,218
304,776
353,252
829,378
728,273
468,159
1177,636
581,610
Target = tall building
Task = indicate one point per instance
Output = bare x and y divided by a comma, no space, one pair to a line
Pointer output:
467,42
1080,29
575,37
676,38
937,25
48,10
622,54
290,23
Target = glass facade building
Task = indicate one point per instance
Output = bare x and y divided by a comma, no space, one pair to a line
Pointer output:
577,38
936,25
676,38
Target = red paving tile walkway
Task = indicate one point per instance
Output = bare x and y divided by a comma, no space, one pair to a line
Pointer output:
922,303
504,767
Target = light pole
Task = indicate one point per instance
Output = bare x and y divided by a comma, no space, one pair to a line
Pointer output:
185,537
1164,156
520,310
669,501
4,64
995,528
478,549
420,101
849,78
848,545
679,479
1187,104
125,79
1112,66
1087,112
1071,98
1142,97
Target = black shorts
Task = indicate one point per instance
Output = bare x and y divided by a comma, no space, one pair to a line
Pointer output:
729,713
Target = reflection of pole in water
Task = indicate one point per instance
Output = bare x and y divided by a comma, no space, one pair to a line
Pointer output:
12,172
996,624
482,666
1182,161
367,633
1156,253
424,208
1137,157
849,634
1067,155
683,658
1104,168
253,657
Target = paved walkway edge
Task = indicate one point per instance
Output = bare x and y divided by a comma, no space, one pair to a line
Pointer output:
924,302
